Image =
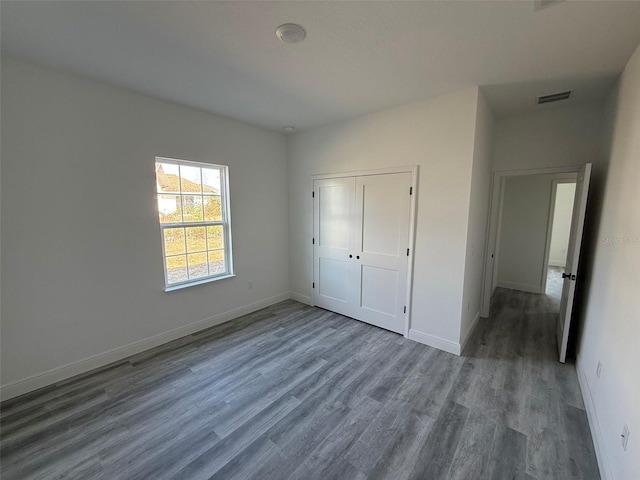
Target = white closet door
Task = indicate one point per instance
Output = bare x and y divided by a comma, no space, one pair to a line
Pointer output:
361,241
382,239
334,241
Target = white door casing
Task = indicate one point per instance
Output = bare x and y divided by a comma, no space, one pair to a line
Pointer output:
573,259
362,230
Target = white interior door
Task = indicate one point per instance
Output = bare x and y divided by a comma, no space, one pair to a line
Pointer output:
382,242
573,258
361,242
334,242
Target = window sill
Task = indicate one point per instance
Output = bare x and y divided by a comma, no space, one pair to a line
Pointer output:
181,286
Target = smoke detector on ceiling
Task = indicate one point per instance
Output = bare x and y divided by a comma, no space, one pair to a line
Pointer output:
290,33
554,97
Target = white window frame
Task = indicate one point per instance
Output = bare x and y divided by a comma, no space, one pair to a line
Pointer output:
225,223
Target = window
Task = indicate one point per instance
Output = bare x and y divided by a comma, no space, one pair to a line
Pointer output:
193,206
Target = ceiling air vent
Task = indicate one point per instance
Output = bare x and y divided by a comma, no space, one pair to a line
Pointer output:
540,4
554,97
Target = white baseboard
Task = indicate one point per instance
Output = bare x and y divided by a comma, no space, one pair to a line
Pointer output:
301,298
525,287
466,336
72,369
433,341
594,425
556,263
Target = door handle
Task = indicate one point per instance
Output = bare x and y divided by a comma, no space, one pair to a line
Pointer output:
350,256
357,257
566,275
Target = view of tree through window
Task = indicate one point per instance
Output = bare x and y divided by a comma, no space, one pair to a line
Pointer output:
193,210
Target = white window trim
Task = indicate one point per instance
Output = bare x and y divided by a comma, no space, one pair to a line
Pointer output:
225,223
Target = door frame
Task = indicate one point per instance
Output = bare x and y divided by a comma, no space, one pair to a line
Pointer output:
413,202
491,239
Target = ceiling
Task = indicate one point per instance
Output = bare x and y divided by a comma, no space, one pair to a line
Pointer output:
358,57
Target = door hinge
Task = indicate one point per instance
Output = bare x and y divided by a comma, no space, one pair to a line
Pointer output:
407,252
410,190
313,194
313,285
405,309
313,241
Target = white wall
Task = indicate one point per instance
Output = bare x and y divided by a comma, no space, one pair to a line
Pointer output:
611,326
559,137
551,138
478,217
523,232
437,135
561,227
82,260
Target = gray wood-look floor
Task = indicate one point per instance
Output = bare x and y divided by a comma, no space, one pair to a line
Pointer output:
554,282
295,392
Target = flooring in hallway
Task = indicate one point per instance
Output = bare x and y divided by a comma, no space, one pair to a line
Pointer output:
555,283
295,392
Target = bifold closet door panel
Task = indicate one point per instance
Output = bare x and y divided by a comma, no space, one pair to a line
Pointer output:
383,206
334,241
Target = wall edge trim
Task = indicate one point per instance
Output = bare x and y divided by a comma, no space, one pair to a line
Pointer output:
69,370
434,341
525,287
474,324
594,424
299,297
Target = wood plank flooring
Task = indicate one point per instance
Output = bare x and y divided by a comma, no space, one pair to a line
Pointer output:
555,282
295,392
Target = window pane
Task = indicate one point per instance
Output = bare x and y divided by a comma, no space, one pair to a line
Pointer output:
197,265
168,177
211,181
173,241
176,269
190,179
196,241
215,237
170,208
216,262
192,208
212,208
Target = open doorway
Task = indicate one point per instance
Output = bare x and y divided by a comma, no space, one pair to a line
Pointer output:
562,200
519,238
526,240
